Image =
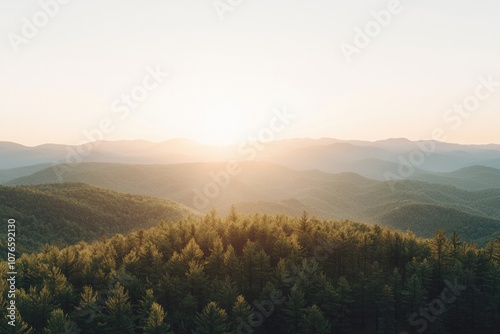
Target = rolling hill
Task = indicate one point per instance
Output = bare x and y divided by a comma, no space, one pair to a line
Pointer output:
67,213
425,219
268,188
469,178
369,159
14,173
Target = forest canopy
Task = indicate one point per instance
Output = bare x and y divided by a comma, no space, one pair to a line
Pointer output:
261,274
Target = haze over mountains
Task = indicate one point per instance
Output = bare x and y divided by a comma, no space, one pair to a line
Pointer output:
432,185
370,159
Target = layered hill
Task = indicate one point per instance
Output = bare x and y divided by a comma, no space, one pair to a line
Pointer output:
425,219
370,159
470,178
268,188
67,213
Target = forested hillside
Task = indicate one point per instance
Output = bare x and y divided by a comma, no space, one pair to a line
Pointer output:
424,219
266,274
69,212
270,189
470,178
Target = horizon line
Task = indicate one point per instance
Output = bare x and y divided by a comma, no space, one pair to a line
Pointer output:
233,145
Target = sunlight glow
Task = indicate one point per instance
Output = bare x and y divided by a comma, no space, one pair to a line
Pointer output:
223,125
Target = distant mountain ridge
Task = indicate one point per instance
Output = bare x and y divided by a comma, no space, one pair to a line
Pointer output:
471,178
370,159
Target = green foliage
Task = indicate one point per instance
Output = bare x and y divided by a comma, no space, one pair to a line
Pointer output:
60,324
118,316
156,321
424,219
314,322
267,274
212,320
406,204
71,212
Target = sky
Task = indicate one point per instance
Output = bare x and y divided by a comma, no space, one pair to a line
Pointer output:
219,71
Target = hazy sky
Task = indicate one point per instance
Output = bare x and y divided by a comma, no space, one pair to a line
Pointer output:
227,76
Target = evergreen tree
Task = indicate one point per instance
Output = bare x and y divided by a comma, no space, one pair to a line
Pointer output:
213,320
88,312
233,215
215,262
241,314
36,305
313,322
440,247
60,324
371,280
224,293
118,312
293,311
344,303
232,266
387,320
60,288
145,307
156,323
196,281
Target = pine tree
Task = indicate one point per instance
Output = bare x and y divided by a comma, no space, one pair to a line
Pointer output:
314,322
385,305
395,283
182,314
344,303
241,314
36,305
293,311
440,247
145,262
456,246
233,215
223,292
60,324
213,320
196,282
413,294
361,290
156,323
256,268
304,223
232,266
118,316
145,307
21,327
215,262
88,312
71,266
60,288
192,252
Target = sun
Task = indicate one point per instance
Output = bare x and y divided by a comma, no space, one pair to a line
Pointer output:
223,125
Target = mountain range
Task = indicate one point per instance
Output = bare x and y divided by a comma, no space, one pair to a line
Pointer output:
370,159
398,183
